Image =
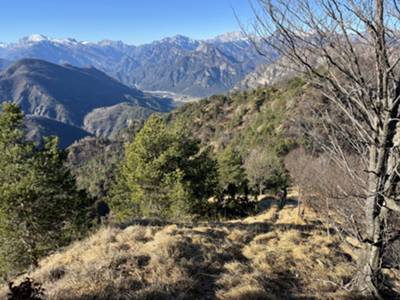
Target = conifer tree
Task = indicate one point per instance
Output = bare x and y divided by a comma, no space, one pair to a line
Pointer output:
231,174
233,188
40,207
163,174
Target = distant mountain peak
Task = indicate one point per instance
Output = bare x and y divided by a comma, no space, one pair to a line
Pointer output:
40,38
177,38
35,38
176,64
66,41
181,41
112,43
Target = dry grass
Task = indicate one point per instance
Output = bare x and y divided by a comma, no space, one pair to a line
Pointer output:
274,255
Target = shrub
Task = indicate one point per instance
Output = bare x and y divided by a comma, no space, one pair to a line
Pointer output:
164,175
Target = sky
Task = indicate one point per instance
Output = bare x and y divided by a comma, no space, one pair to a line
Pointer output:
132,21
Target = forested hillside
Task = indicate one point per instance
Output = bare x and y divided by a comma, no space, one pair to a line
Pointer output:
236,149
246,120
254,123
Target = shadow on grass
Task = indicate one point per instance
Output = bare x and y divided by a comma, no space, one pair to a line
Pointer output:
268,202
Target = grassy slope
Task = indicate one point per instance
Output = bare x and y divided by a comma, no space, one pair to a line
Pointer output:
273,255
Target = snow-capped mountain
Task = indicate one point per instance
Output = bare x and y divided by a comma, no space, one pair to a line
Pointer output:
34,38
180,41
175,64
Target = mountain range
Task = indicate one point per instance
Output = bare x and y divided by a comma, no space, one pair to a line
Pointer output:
176,64
71,100
75,88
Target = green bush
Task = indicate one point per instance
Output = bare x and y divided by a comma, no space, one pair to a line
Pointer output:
164,175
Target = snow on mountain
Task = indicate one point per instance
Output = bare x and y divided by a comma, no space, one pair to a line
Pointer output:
179,41
66,41
35,38
175,64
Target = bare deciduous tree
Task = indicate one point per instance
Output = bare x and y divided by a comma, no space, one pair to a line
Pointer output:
349,51
264,170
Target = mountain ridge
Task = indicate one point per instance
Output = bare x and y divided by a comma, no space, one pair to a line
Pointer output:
67,94
37,127
175,64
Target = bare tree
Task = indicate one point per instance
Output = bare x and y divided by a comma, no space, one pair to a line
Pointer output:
348,50
264,170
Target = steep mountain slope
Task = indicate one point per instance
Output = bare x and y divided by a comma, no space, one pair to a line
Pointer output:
177,64
37,127
266,75
196,68
66,93
244,119
274,72
62,51
274,255
108,121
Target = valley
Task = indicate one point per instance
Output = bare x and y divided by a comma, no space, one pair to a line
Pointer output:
84,98
63,79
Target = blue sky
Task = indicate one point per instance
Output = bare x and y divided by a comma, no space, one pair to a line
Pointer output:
132,21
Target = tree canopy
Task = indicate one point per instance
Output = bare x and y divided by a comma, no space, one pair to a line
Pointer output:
164,174
40,207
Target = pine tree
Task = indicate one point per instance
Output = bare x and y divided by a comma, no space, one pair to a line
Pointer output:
40,207
231,174
233,189
163,174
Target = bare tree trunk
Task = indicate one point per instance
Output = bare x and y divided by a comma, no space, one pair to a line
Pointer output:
341,47
367,279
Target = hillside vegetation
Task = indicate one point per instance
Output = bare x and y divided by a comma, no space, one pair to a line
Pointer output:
186,222
273,255
245,119
258,120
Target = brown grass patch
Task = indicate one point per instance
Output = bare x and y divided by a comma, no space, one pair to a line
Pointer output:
273,255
